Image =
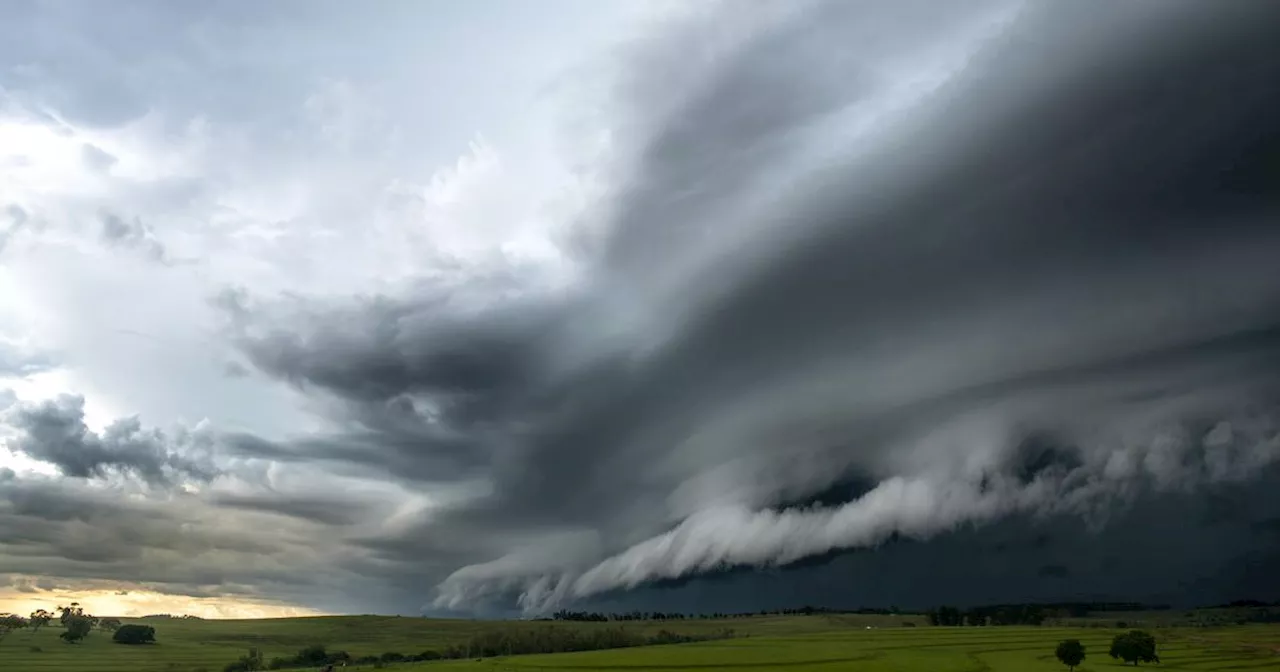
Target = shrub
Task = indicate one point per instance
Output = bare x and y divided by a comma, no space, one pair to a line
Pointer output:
134,634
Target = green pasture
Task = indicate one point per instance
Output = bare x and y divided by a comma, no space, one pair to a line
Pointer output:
815,643
188,645
995,649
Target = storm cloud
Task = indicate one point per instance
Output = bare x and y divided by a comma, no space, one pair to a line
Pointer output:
859,279
1056,243
55,432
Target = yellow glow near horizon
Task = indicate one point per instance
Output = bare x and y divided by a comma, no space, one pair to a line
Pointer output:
142,602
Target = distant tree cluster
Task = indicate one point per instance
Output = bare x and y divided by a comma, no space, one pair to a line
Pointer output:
11,623
1240,604
486,645
563,640
602,617
1028,614
183,617
76,625
1008,614
599,617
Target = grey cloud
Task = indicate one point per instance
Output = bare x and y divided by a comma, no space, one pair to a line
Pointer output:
234,369
1047,286
133,235
17,219
97,158
323,510
55,432
71,536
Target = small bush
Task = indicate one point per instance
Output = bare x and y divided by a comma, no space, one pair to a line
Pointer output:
134,634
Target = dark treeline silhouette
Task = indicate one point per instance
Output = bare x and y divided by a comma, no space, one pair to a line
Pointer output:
174,616
1028,614
1245,604
485,645
601,617
560,640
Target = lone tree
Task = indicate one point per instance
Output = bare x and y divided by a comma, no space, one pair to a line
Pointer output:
1135,647
39,619
1070,652
134,634
69,612
77,628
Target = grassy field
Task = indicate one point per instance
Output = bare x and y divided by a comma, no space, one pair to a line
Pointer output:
905,650
812,643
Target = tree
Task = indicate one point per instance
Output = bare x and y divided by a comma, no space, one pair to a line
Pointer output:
77,628
39,619
1134,647
134,634
70,611
109,624
11,622
1070,652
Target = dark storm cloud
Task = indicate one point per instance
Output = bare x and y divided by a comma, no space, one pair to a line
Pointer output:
1046,284
1154,551
178,544
55,432
323,510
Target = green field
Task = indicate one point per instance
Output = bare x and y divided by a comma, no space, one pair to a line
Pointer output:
814,643
1013,649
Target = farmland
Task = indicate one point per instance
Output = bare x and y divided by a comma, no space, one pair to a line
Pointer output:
1013,649
817,643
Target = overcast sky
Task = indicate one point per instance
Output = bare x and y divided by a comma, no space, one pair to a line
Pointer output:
497,307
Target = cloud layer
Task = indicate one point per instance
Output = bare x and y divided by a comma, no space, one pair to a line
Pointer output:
824,277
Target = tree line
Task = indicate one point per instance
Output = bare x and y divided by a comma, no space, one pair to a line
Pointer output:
76,625
1027,614
484,645
603,617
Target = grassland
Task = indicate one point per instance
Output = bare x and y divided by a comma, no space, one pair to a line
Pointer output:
810,643
1012,649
